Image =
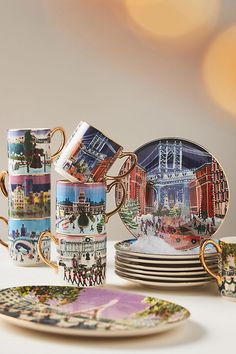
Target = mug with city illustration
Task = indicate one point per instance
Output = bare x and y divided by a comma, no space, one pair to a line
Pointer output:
89,154
29,150
81,207
81,260
23,238
28,195
226,277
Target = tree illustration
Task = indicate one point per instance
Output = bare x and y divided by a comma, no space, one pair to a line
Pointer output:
28,148
133,207
100,225
172,213
62,295
83,220
127,218
159,308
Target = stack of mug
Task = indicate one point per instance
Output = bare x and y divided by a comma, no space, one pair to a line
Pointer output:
81,216
29,192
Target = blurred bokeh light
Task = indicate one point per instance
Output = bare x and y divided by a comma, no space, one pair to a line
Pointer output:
173,18
219,70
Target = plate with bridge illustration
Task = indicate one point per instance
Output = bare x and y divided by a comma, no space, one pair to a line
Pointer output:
177,196
94,312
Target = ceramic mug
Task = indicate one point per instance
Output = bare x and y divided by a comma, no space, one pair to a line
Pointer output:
81,260
81,207
23,238
89,154
29,196
29,150
226,277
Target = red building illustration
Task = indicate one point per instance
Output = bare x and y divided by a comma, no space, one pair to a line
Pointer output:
135,184
221,191
193,197
204,191
101,168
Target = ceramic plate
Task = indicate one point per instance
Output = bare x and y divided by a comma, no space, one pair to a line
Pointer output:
163,267
125,247
178,192
162,277
163,284
158,261
126,268
103,312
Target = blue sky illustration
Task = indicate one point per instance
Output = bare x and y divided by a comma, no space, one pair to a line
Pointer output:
31,225
95,194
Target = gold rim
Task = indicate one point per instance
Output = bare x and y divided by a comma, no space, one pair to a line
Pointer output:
3,243
109,187
40,252
3,188
63,140
202,258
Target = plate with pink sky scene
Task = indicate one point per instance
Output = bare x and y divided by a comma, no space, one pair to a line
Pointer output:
102,311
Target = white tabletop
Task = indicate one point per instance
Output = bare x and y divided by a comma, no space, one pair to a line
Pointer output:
212,325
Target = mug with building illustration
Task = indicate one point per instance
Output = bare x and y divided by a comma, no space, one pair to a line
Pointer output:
29,150
23,238
226,277
89,154
81,260
29,196
81,207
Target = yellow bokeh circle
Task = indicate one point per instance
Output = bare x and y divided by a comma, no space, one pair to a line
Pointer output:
172,18
219,70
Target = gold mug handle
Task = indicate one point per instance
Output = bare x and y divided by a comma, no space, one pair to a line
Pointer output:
63,140
109,187
40,252
202,258
3,188
134,161
3,243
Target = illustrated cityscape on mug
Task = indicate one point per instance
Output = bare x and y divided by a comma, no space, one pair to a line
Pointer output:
29,151
80,209
82,260
29,196
23,240
93,156
178,192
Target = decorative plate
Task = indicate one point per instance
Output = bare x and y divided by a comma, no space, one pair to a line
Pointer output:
161,277
177,192
161,261
88,311
132,246
164,284
164,267
162,274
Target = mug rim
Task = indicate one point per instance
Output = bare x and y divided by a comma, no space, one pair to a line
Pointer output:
18,129
66,181
228,240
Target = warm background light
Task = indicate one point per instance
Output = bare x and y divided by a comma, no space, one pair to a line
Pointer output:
173,18
220,70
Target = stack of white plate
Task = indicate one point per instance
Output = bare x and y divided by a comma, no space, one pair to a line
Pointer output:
163,270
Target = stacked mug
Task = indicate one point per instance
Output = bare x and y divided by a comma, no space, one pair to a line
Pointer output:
29,192
81,217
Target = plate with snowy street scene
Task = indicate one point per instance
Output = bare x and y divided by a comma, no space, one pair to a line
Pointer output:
178,192
145,247
91,312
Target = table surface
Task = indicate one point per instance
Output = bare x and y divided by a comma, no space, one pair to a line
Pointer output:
212,324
